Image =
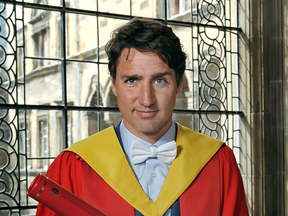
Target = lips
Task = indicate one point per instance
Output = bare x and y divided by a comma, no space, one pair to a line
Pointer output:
146,114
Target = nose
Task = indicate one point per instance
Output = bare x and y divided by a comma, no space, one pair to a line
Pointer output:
146,95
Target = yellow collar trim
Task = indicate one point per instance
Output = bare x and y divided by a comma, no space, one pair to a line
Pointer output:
104,154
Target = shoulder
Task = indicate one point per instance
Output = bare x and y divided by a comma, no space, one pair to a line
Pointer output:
195,144
187,133
63,162
104,136
225,153
65,168
228,163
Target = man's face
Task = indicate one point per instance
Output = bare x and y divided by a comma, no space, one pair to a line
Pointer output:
146,89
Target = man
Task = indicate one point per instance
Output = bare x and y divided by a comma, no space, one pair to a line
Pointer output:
111,170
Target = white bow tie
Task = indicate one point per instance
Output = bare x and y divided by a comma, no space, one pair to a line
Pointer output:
140,152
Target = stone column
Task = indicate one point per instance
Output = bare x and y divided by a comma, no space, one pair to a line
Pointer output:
264,100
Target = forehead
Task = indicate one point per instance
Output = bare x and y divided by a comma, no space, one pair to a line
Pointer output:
130,54
136,61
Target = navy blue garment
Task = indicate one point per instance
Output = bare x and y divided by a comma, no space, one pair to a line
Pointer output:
175,208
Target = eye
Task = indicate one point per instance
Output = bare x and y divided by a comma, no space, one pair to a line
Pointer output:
160,81
130,81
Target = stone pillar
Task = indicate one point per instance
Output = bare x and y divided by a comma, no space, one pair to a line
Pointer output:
264,100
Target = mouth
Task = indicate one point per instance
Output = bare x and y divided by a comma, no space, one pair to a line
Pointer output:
146,114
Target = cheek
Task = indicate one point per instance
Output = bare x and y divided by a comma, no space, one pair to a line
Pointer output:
167,99
126,97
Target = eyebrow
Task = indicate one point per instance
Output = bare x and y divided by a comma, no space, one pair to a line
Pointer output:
134,76
154,76
161,74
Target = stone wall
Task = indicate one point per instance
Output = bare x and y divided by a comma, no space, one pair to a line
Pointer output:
264,101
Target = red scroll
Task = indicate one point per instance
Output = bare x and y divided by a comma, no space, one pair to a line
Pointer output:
59,199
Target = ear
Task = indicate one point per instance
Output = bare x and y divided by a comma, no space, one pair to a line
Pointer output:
179,87
114,88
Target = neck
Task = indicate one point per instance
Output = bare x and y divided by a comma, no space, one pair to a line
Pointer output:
150,137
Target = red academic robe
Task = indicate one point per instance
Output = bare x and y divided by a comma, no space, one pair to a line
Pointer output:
212,186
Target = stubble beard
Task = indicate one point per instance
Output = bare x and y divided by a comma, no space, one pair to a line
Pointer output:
151,127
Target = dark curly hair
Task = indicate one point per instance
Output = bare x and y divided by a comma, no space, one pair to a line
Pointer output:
146,35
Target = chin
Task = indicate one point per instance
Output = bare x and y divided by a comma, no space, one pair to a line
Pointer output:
149,129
